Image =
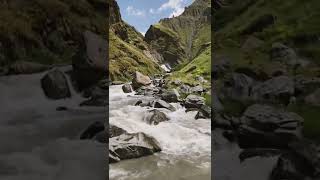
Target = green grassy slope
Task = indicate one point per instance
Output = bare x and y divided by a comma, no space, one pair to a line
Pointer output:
47,31
294,23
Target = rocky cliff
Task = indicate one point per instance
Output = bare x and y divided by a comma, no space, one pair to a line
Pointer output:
128,51
180,39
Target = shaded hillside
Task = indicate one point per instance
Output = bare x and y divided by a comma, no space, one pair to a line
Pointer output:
270,40
180,39
47,32
128,51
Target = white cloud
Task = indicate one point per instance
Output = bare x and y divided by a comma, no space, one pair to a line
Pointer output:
176,5
135,12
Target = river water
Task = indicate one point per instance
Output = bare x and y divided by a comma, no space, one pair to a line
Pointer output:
38,142
185,142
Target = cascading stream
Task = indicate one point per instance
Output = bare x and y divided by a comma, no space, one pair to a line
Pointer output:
185,142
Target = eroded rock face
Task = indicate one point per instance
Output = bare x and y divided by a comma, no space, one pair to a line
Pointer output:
266,126
55,85
129,146
140,80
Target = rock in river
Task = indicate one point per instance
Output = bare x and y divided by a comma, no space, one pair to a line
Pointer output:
55,85
266,126
140,80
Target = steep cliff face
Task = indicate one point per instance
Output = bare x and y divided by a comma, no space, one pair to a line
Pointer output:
128,51
180,39
47,32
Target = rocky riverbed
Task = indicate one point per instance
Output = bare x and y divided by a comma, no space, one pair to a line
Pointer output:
152,135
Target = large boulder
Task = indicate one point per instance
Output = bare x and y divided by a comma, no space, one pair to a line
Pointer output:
170,96
277,89
194,101
25,67
266,126
90,64
129,146
204,112
155,116
55,85
140,80
252,43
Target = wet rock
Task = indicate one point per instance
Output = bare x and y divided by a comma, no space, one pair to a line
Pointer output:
155,116
170,96
268,127
92,130
24,67
140,80
129,146
162,104
148,91
55,85
194,101
127,88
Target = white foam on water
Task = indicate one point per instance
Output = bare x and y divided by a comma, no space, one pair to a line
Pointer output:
182,138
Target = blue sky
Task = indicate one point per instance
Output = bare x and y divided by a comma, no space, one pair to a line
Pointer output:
143,13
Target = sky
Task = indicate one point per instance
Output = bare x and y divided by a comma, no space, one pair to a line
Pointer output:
143,13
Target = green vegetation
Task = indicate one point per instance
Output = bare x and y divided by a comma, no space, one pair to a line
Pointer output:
125,58
46,31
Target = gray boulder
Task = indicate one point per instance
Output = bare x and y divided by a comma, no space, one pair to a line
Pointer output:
129,146
277,89
140,80
55,85
284,54
266,126
170,96
238,87
162,104
194,101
